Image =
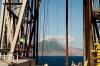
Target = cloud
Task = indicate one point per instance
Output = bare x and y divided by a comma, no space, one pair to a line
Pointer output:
62,44
60,38
70,38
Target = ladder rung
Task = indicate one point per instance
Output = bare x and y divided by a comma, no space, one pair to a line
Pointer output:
12,3
29,22
11,12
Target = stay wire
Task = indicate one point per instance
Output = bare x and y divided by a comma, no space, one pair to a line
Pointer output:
57,35
40,44
45,30
72,29
47,24
44,45
43,42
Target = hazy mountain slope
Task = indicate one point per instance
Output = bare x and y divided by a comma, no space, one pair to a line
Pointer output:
52,47
75,51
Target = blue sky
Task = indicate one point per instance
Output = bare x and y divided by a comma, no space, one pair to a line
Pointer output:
53,20
75,19
75,16
52,16
56,20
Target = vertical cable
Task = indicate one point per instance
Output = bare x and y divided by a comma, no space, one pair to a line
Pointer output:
71,28
57,36
43,42
46,29
43,32
40,44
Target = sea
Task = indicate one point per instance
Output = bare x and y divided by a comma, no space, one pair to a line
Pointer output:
59,60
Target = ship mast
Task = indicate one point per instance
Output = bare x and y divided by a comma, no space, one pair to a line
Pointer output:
66,32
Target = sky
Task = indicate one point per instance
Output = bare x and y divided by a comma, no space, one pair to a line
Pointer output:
55,20
57,25
75,22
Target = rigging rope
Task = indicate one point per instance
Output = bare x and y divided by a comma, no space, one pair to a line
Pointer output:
72,29
43,32
46,30
57,35
45,26
40,44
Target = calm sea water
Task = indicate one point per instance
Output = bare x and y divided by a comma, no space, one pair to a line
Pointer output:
59,60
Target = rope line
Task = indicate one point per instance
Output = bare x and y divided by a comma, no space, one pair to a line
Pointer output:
43,32
47,9
57,36
71,29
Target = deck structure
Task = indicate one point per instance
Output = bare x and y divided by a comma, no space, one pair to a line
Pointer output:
19,30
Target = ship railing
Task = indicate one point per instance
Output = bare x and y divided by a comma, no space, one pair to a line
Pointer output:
5,57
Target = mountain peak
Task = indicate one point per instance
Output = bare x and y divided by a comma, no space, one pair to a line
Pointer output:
53,47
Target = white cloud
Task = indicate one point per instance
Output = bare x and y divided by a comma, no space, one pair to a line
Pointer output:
70,38
60,38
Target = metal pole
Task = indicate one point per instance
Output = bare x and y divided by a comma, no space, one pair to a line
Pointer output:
99,3
37,2
87,32
67,33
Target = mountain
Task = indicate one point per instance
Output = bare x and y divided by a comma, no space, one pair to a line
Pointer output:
52,47
75,51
